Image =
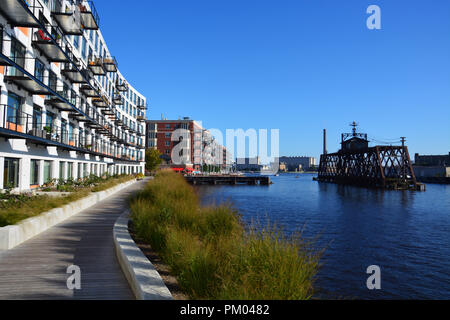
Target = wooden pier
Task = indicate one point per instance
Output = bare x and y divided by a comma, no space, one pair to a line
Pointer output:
228,180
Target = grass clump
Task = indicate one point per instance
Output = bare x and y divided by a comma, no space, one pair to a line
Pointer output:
211,254
17,207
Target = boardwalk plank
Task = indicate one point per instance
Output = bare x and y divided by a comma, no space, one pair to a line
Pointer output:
36,269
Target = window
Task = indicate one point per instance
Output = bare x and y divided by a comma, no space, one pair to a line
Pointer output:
47,171
71,140
167,134
50,117
83,48
11,173
37,117
34,172
96,41
52,80
80,170
70,170
76,42
39,70
18,56
167,151
14,110
167,126
62,168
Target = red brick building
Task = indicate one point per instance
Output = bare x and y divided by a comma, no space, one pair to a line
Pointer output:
163,135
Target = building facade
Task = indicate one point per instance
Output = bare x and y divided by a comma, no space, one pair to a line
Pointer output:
195,148
65,109
432,160
297,163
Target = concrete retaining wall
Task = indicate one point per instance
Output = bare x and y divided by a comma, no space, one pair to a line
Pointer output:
142,276
11,236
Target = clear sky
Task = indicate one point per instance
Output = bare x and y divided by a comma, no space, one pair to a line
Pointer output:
294,65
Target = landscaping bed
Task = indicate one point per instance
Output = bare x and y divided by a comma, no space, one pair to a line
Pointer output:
210,252
17,207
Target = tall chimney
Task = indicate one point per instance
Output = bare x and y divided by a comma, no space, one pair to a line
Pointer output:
324,141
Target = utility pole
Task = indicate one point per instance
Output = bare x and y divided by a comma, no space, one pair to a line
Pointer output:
403,139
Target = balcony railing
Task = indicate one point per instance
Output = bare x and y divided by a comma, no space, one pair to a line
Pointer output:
15,121
68,18
96,65
20,13
89,16
110,64
51,45
121,85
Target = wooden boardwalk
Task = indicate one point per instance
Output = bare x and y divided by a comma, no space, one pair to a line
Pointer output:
36,269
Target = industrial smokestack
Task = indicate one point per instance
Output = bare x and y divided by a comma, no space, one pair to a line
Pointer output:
324,141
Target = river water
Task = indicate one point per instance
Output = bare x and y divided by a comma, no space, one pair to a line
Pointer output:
405,233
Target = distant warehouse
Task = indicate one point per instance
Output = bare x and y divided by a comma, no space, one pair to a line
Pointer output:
298,163
429,167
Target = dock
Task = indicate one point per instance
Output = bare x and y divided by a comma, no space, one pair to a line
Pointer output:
228,180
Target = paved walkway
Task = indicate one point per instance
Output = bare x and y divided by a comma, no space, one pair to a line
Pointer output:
36,269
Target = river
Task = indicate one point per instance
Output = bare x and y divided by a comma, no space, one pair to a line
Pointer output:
405,233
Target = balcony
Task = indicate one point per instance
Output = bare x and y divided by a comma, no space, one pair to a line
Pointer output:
68,18
64,99
110,64
121,86
142,106
99,102
96,66
20,13
50,45
89,15
19,124
118,99
74,74
89,91
107,111
20,70
140,118
32,85
16,124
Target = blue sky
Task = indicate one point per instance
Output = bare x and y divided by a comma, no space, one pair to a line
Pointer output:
298,66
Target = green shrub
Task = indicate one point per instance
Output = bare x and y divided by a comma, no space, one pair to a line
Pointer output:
209,252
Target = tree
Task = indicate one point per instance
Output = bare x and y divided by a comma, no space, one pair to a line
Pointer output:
152,159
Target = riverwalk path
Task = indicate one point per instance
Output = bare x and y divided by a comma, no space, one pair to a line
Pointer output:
37,269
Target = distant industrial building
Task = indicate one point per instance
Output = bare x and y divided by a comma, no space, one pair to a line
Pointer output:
432,160
248,164
431,166
298,163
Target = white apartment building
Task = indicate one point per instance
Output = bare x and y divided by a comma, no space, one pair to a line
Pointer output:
65,109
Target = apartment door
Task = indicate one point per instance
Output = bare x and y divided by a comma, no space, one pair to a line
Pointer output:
11,173
37,117
13,113
18,56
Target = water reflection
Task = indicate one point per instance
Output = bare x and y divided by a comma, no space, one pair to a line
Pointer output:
406,233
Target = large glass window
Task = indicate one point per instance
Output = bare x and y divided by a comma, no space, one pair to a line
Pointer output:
52,80
70,170
34,172
76,42
83,48
50,118
39,70
62,168
18,56
13,111
47,171
37,117
11,173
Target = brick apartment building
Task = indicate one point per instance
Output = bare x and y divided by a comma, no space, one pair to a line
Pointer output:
203,148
